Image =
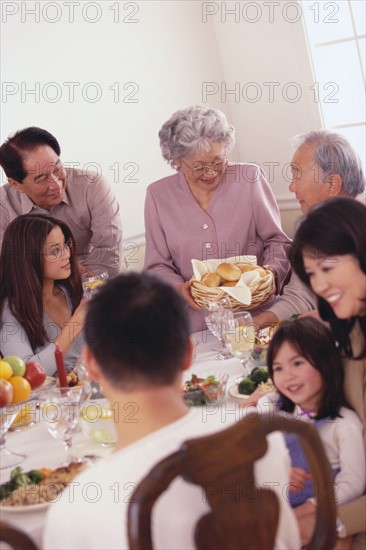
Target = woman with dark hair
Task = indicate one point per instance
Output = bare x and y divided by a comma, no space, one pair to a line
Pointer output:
329,255
40,292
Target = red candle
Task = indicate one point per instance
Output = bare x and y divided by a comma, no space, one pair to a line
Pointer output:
61,371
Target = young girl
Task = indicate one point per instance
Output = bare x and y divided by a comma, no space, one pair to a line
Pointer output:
40,292
306,369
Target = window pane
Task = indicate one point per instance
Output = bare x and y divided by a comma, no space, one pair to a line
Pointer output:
326,21
359,14
362,47
356,135
342,97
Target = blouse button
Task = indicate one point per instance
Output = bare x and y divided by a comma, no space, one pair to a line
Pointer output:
208,245
205,226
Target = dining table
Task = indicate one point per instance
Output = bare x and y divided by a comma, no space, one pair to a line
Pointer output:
43,451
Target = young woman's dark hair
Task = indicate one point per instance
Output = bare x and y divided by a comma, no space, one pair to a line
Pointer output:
313,341
21,272
334,228
13,149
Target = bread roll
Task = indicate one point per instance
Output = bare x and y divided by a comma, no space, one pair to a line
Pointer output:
229,283
244,268
229,272
211,279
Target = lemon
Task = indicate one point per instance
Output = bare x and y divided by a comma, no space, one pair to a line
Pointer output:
103,437
92,413
25,415
93,284
242,340
6,371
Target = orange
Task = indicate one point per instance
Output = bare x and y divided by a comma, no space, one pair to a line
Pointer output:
5,370
21,387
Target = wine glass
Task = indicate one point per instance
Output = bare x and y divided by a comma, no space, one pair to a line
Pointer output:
25,419
240,337
92,386
91,283
61,410
8,413
8,458
218,315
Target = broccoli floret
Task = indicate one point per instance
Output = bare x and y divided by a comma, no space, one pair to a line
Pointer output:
22,479
247,386
259,375
15,473
35,476
18,478
6,489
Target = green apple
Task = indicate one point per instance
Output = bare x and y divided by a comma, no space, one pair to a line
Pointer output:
16,363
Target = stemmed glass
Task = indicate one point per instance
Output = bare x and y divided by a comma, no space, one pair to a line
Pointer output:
218,315
240,337
94,389
8,413
8,458
91,283
61,410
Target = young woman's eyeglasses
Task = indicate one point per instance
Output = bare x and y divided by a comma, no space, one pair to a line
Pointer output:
201,169
55,251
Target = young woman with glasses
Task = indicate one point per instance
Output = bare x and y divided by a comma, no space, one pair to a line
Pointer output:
40,292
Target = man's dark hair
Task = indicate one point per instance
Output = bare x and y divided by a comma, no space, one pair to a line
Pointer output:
13,149
138,331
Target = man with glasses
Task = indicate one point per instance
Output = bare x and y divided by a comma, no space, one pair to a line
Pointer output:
38,183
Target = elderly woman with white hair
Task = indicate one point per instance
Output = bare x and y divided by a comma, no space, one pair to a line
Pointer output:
210,208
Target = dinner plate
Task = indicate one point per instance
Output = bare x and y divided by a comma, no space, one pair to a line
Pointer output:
25,508
234,392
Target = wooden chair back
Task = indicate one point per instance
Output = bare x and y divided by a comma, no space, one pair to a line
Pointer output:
15,538
236,523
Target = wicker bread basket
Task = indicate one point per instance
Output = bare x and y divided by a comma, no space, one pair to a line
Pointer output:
260,290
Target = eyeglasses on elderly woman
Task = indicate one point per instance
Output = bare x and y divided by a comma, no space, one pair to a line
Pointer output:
200,169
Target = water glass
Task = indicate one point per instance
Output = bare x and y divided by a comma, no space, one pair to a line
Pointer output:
91,283
240,338
218,316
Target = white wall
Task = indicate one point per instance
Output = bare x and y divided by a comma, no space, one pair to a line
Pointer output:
266,62
164,53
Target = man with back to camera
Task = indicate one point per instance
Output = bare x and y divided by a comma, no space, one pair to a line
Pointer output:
138,345
39,183
324,166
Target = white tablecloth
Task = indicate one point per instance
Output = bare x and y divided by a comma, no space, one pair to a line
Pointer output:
44,451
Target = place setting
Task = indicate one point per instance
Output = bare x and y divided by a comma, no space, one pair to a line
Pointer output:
51,408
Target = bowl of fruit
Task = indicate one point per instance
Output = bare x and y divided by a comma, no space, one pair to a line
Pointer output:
20,385
19,379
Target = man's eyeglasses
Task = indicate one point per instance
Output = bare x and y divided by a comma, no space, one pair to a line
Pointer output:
55,252
201,169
